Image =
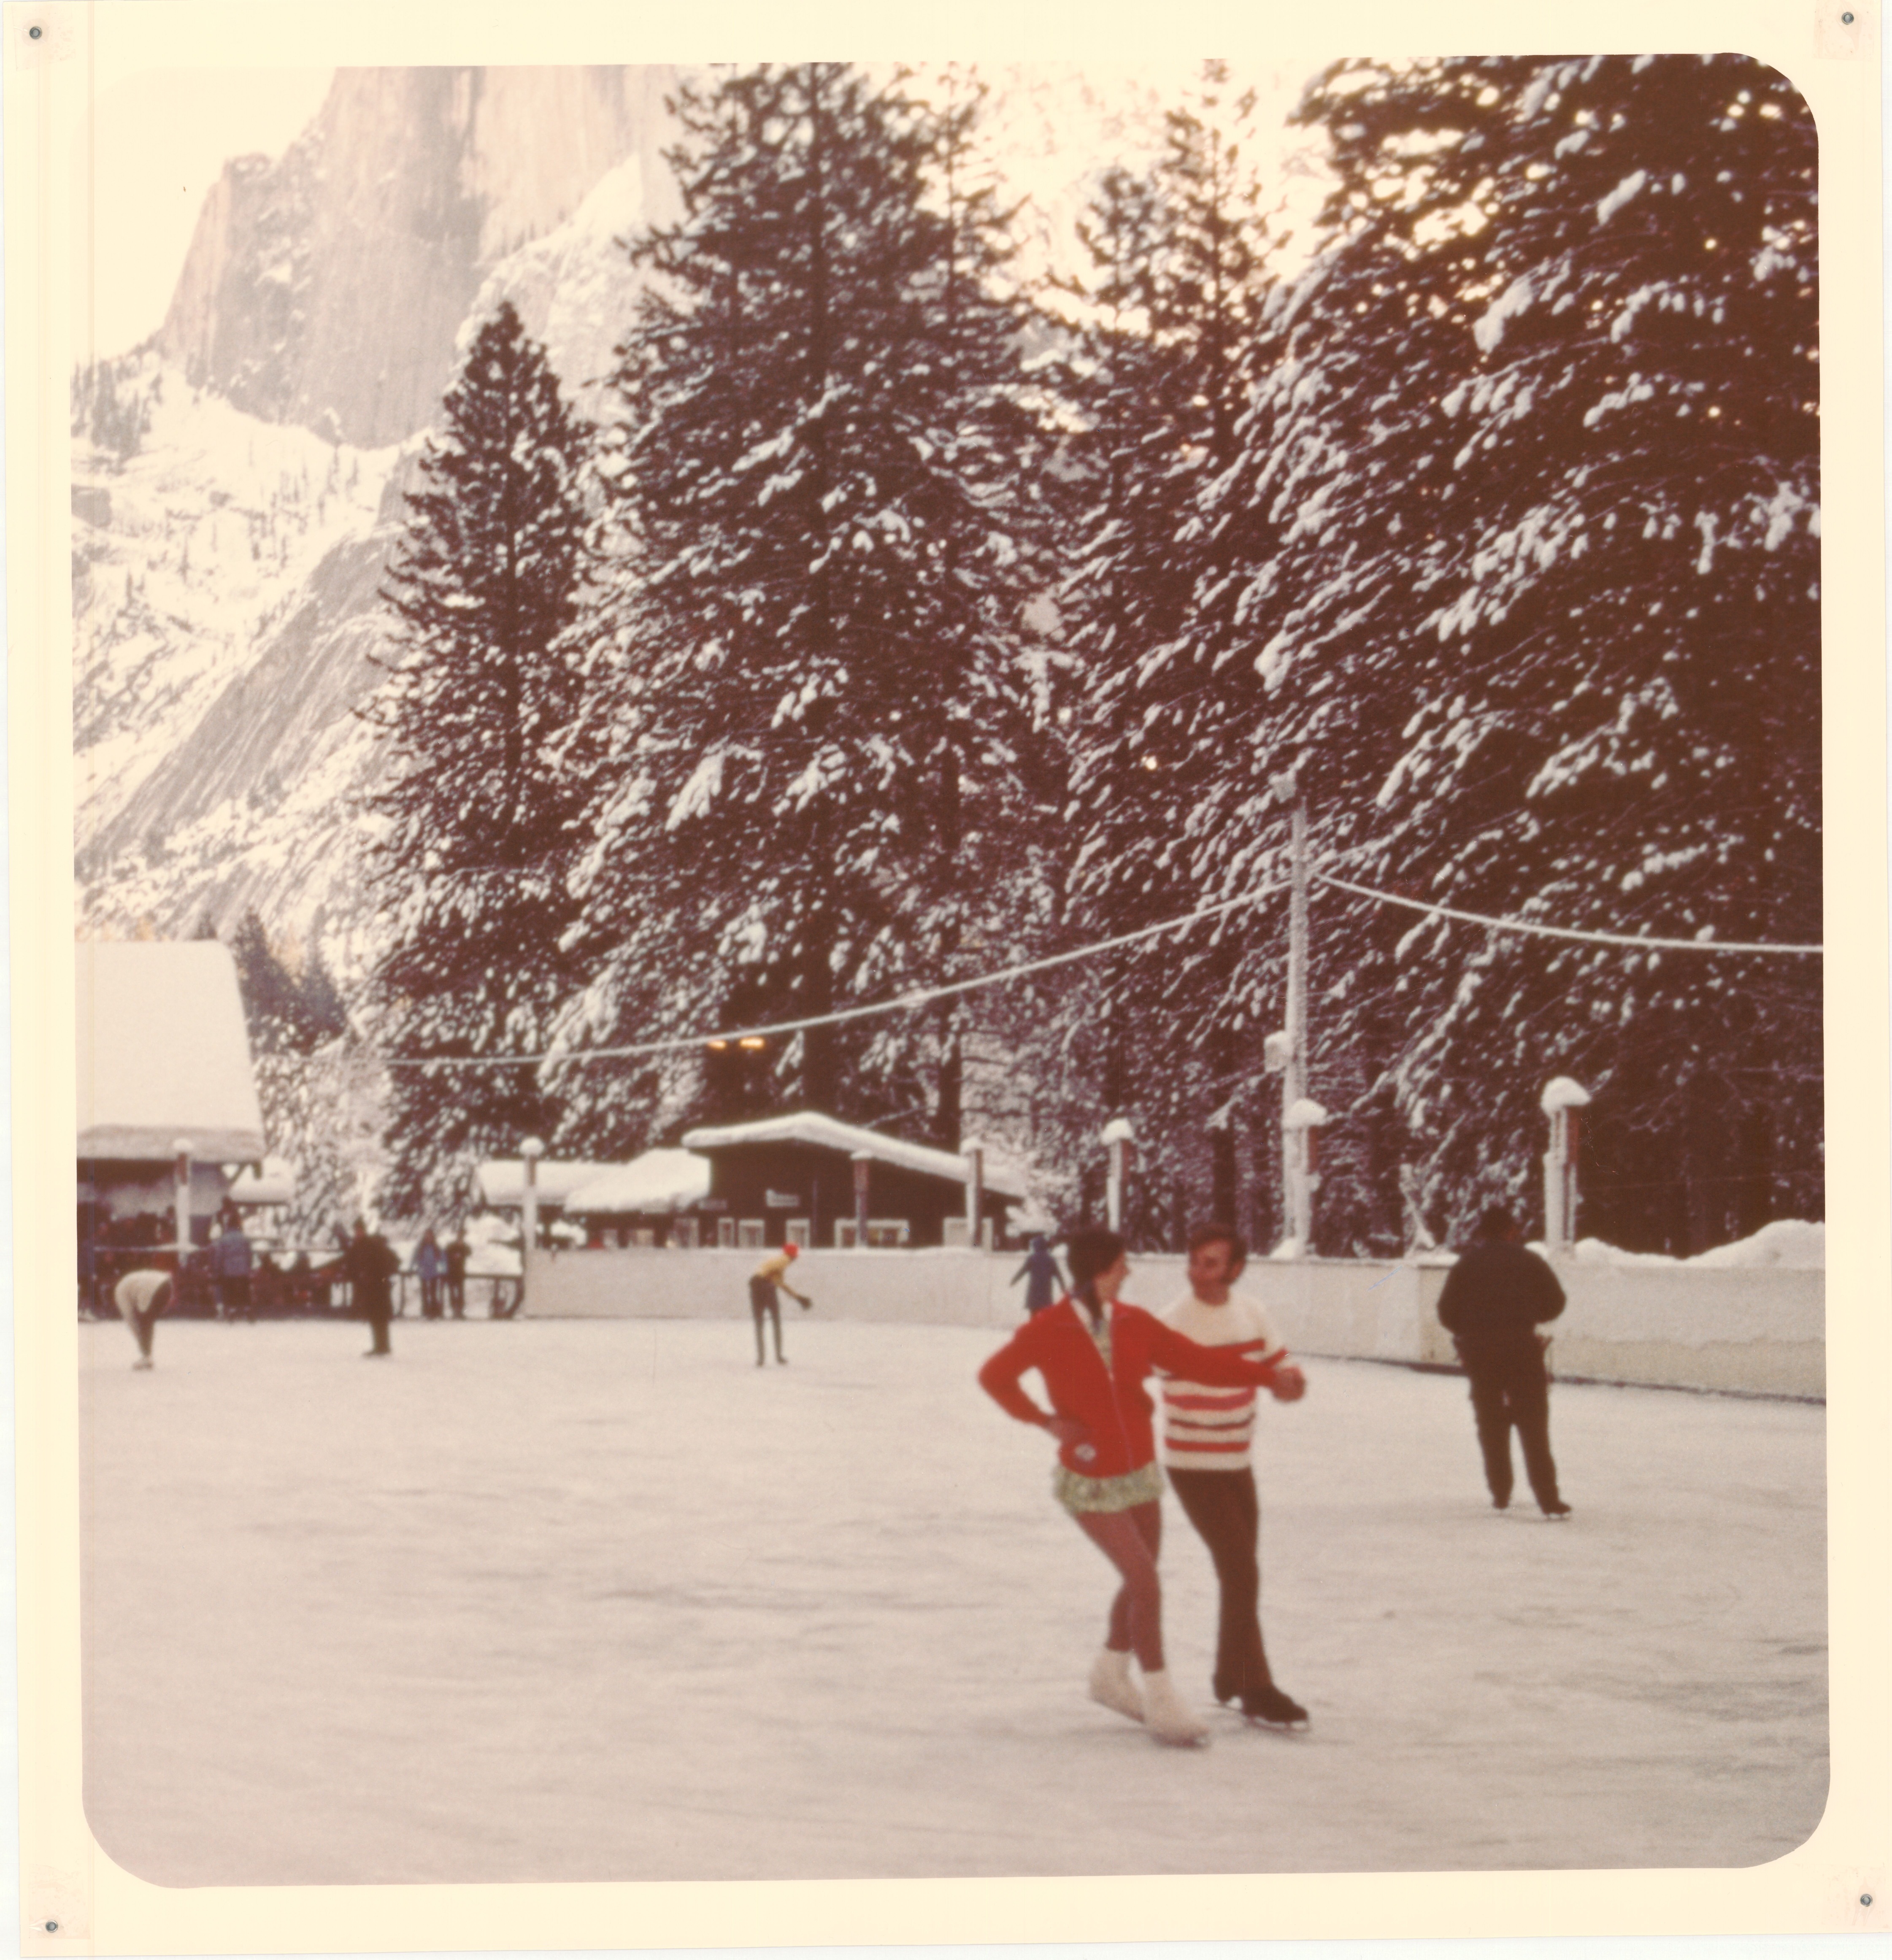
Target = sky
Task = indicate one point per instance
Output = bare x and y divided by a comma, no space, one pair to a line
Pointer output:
159,141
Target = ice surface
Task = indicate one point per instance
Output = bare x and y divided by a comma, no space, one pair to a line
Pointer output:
599,1600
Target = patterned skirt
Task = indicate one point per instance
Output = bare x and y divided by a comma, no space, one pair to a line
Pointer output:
1078,1494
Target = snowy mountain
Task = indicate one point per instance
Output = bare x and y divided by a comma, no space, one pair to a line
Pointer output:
238,485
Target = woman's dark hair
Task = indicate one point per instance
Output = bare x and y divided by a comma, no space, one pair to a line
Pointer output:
1090,1250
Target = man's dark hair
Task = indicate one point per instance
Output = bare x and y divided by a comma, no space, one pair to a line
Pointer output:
1496,1221
1092,1250
1220,1235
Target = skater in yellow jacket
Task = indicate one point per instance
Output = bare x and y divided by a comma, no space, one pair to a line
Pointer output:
773,1272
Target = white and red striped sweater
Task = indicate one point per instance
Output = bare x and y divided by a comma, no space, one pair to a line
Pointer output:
1206,1428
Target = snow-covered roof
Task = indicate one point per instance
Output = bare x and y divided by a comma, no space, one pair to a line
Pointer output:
163,1055
825,1133
658,1181
275,1185
501,1180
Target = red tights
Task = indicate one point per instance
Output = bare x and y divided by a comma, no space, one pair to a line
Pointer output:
1130,1540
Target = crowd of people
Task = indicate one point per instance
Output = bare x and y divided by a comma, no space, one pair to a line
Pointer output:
230,1276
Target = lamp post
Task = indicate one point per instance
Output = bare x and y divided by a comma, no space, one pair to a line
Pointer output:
1117,1136
863,1162
180,1173
973,1150
1298,1180
1301,1122
532,1149
1561,1100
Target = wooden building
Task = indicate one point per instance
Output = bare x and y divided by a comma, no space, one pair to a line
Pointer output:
813,1180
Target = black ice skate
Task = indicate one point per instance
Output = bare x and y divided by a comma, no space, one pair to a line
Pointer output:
1273,1710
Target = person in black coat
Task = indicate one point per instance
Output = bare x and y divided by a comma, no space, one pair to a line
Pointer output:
1043,1281
371,1263
1495,1299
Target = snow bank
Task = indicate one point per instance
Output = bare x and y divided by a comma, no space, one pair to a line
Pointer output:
1787,1241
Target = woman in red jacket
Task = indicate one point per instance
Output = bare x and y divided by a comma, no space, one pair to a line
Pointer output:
1094,1353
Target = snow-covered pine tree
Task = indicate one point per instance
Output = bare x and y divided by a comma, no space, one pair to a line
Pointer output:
1526,540
476,830
824,487
1178,275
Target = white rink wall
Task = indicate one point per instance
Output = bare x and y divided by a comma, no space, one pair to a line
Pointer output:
1758,1330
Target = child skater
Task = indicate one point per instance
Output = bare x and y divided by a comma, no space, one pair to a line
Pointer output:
1094,1353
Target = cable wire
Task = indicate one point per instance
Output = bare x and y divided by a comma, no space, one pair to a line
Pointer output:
918,997
1564,931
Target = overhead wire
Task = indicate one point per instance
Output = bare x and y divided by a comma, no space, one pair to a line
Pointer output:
916,996
920,997
1637,941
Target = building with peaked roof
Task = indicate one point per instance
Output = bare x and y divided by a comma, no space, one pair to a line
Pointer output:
164,1071
808,1177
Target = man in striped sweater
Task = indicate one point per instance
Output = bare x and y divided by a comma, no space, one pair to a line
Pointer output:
1207,1434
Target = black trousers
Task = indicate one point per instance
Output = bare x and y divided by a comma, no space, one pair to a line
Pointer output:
1223,1506
1511,1389
763,1298
378,1311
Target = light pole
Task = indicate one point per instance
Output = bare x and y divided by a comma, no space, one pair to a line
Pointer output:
1117,1136
863,1163
1301,1122
180,1173
1291,1046
532,1149
1561,1100
973,1150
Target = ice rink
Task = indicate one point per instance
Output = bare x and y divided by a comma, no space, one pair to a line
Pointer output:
602,1600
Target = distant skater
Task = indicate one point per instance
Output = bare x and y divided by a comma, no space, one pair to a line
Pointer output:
1043,1281
763,1300
1093,1353
142,1297
1495,1297
458,1253
430,1264
1207,1436
371,1263
231,1262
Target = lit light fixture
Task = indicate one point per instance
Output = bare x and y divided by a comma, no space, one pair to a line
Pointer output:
751,1041
718,1045
1150,762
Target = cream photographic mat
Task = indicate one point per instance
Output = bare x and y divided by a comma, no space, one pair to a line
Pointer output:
62,59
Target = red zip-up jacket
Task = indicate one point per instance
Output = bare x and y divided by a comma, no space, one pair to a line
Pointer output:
1111,1403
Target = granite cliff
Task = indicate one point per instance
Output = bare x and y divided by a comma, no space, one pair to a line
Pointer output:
234,515
327,288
